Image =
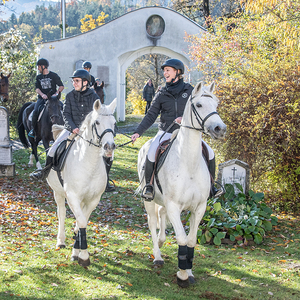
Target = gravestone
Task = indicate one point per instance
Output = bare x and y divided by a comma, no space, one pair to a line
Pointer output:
7,168
235,171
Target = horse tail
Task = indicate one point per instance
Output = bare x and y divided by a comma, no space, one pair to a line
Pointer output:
21,127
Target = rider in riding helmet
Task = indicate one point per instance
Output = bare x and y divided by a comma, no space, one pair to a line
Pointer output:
45,83
87,66
169,102
78,104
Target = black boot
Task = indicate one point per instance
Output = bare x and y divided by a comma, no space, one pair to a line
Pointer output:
43,173
148,191
32,133
214,192
109,187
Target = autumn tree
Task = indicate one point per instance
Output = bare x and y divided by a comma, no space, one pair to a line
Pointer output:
88,23
254,57
18,57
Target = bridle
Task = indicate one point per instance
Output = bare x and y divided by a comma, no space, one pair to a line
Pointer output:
53,115
94,130
200,121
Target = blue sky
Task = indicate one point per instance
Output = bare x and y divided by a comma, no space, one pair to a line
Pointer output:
19,6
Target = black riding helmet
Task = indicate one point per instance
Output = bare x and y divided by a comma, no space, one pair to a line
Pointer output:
43,62
87,64
83,74
174,63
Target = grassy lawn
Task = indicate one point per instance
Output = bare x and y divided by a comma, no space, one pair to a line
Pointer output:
121,249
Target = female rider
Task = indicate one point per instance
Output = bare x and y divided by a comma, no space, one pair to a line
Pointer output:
169,102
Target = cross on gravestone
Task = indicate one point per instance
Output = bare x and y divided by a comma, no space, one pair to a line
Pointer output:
235,171
7,168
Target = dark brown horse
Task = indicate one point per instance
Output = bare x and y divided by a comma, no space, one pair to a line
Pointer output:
4,87
99,90
51,115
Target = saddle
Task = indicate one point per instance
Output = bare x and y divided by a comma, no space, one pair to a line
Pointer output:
40,112
160,157
60,156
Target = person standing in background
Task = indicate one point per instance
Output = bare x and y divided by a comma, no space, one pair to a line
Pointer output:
148,94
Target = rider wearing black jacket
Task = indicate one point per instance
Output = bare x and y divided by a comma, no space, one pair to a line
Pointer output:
169,102
78,104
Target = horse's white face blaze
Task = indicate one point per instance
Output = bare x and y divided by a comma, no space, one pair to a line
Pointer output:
104,120
206,103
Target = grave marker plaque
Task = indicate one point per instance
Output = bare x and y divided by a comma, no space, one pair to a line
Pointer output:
7,168
235,171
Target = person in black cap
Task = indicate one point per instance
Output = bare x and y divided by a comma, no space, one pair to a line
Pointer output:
46,82
169,102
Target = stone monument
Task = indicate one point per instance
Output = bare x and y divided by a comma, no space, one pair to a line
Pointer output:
7,168
235,171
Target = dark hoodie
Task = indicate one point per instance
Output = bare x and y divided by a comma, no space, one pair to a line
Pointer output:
77,106
169,102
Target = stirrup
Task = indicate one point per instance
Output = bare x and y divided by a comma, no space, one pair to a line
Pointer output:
220,191
148,196
110,188
37,174
31,134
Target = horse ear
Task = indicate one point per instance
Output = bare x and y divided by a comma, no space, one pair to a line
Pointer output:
197,88
49,95
102,84
112,106
95,85
97,104
58,96
2,75
8,75
211,88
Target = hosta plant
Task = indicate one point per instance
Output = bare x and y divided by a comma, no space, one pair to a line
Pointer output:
237,217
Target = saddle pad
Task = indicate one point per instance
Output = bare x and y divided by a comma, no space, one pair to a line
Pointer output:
61,154
40,114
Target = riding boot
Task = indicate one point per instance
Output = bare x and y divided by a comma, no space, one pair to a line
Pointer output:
148,191
32,133
214,192
109,187
42,174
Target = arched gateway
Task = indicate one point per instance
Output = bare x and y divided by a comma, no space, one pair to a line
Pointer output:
112,47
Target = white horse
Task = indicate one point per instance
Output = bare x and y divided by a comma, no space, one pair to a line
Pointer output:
185,180
84,176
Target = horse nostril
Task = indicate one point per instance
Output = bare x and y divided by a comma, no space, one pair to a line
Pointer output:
113,146
217,129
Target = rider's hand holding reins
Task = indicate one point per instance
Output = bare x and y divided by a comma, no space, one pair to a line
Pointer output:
76,130
134,137
44,96
178,120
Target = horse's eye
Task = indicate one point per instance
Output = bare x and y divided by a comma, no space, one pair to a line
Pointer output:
97,122
199,105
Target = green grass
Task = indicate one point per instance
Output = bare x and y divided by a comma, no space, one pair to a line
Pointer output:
121,249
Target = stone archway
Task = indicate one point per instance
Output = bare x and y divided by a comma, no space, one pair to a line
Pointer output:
112,47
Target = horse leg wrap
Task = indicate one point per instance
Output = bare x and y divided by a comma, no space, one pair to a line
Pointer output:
82,238
190,257
76,243
182,257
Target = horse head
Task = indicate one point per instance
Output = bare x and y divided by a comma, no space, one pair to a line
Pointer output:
102,123
4,87
54,109
99,90
203,111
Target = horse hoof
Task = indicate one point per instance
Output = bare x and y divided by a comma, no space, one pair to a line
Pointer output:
73,258
192,279
183,283
83,263
158,262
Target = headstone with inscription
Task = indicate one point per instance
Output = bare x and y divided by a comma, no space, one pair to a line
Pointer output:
235,171
7,168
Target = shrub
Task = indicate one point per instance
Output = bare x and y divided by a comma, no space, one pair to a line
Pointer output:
239,218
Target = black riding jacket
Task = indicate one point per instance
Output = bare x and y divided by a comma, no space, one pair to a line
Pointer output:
77,106
170,104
